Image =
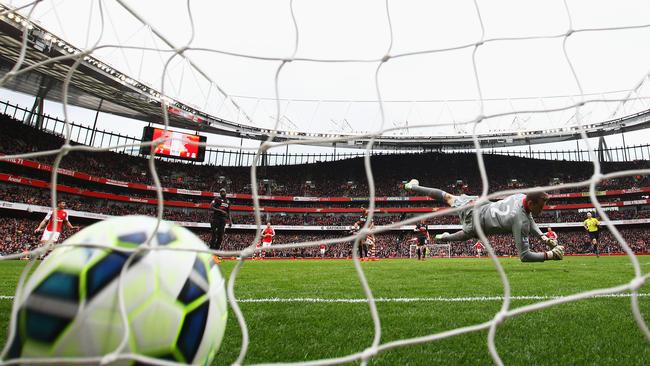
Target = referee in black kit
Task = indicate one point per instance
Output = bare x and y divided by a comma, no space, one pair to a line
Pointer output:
220,207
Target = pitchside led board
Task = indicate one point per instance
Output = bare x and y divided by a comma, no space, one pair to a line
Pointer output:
177,145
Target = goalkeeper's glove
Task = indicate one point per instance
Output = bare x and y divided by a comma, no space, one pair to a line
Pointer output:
550,243
555,254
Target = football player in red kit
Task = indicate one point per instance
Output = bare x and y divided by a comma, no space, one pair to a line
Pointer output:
267,238
479,248
52,230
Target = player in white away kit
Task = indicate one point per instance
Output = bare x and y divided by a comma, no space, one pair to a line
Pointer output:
513,214
52,231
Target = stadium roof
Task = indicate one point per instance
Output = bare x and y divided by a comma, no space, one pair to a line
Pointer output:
91,83
95,81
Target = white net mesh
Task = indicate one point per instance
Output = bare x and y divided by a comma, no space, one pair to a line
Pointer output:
181,51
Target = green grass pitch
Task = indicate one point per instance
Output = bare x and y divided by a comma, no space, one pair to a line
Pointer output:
599,331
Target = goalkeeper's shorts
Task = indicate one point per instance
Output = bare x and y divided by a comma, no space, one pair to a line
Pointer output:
465,214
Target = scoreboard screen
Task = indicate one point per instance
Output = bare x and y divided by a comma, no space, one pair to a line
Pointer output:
176,145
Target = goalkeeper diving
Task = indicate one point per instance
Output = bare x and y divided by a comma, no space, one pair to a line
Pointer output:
513,214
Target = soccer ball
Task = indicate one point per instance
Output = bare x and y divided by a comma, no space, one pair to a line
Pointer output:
175,301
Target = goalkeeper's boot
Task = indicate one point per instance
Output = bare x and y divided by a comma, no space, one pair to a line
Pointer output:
412,183
556,253
442,236
216,259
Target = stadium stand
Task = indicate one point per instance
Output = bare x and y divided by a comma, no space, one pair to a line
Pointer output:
189,189
15,137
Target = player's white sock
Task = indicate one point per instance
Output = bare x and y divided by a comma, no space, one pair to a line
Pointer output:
414,186
442,236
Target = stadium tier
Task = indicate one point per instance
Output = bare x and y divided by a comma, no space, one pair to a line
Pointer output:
323,180
94,187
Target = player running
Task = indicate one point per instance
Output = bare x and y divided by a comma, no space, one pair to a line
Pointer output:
591,224
51,231
220,207
422,239
513,214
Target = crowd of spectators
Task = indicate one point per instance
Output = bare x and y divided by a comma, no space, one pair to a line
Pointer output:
573,216
87,186
339,178
18,235
393,245
41,197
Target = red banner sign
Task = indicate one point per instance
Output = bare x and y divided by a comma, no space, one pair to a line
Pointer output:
152,201
244,196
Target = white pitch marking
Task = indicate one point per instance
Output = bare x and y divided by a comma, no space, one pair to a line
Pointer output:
420,299
405,299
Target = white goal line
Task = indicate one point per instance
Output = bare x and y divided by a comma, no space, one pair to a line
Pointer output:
406,299
419,299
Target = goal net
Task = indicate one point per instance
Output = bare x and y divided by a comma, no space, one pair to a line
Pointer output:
433,251
487,46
